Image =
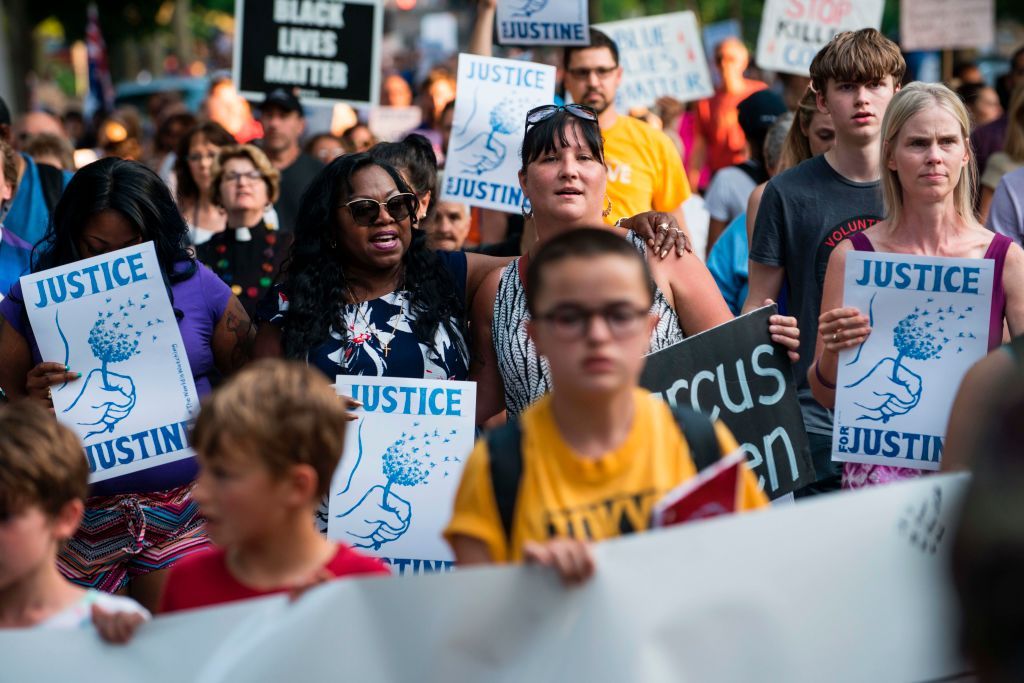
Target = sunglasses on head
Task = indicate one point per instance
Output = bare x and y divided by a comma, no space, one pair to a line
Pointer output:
546,111
365,211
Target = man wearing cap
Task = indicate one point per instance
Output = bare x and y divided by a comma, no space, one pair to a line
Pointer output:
38,189
645,171
730,188
283,124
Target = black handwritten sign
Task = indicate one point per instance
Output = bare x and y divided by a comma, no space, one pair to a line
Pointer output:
327,51
735,373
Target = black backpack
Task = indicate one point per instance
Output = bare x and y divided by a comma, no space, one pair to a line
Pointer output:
504,448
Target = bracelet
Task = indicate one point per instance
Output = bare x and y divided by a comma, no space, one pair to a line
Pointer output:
824,382
618,224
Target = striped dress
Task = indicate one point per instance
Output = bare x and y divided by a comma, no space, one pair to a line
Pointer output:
524,373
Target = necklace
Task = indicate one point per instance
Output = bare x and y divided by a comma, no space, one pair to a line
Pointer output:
383,338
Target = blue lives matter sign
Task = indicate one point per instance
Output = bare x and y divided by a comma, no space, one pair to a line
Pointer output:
393,492
110,318
736,374
929,321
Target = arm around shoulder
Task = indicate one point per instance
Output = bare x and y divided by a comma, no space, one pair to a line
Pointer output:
695,296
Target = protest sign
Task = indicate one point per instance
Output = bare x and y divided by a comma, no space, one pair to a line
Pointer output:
735,373
736,598
391,124
109,317
947,24
543,22
929,320
482,160
327,51
393,492
793,31
660,55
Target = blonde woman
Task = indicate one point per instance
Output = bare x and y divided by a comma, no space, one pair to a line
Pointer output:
1009,159
927,181
248,253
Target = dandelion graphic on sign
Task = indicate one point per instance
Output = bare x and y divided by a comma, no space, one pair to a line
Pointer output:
487,152
890,388
107,397
381,515
529,7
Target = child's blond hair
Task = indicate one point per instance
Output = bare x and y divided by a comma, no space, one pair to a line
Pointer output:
281,412
42,462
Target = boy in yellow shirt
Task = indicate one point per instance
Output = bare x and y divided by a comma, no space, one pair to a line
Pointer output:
588,461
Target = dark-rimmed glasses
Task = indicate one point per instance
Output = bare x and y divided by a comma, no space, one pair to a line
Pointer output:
546,111
365,211
571,322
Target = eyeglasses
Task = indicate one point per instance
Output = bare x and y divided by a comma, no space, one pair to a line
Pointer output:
238,177
546,111
569,323
365,211
583,73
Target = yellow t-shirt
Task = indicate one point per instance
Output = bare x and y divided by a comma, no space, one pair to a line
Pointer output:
563,494
645,171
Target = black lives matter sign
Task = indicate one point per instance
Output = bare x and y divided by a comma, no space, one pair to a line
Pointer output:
324,50
735,373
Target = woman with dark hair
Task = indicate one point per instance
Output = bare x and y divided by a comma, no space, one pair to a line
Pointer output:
138,524
564,176
414,158
193,169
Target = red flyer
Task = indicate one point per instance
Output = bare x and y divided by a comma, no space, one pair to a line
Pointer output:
711,493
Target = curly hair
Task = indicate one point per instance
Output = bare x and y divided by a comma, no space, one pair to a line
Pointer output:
315,280
139,196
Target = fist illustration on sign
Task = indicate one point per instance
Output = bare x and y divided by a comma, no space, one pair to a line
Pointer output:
889,389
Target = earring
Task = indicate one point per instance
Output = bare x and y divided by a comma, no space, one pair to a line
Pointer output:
527,213
608,209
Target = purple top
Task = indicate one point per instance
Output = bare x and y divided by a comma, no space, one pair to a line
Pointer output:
997,252
202,300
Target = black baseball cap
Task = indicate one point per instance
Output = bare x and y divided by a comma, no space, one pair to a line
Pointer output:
758,112
5,113
283,98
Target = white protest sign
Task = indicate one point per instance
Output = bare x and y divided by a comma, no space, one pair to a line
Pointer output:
393,492
793,31
660,55
109,317
543,22
482,160
947,24
672,605
929,321
392,123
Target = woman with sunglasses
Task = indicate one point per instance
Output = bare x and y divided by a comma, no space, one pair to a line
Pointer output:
564,177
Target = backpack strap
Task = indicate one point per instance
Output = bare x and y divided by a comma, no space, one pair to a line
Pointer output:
504,449
699,433
51,179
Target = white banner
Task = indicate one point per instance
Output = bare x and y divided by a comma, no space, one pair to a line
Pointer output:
947,24
543,22
392,494
660,55
793,31
109,318
929,321
482,160
391,124
779,595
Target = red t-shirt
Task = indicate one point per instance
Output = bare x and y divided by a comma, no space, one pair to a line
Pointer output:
718,122
203,579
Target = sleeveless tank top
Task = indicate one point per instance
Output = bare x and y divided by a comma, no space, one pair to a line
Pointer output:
858,475
524,373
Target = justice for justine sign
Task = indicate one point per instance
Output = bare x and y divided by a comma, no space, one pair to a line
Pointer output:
109,317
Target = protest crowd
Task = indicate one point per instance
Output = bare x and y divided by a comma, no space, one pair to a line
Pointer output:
607,309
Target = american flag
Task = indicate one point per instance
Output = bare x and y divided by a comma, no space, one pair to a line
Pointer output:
101,90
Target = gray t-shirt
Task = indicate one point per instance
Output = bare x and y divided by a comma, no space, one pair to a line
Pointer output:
728,193
1006,215
805,212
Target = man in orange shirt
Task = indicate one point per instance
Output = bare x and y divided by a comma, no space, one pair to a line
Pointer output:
718,140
